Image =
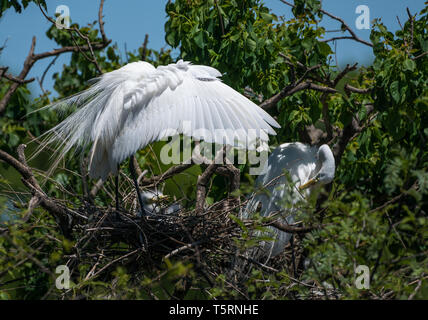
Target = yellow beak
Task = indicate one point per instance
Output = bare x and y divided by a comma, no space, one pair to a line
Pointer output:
157,198
308,184
161,197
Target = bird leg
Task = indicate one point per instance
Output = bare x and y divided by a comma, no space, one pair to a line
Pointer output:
293,259
116,190
137,188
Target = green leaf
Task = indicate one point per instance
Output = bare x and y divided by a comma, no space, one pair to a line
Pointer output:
251,44
266,17
395,91
324,48
409,65
307,43
199,39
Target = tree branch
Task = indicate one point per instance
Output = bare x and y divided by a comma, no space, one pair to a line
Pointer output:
28,63
349,88
292,89
62,215
32,58
101,23
167,174
202,184
290,229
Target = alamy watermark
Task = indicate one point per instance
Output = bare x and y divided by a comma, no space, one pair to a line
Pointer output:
63,20
62,282
363,20
362,281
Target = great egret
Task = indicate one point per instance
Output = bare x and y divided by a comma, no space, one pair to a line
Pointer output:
128,108
307,166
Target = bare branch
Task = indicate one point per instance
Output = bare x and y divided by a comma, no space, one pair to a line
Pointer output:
411,29
144,50
291,229
45,72
32,58
97,186
291,89
338,38
90,45
420,56
220,18
349,88
62,215
201,186
348,133
344,72
28,63
326,116
12,78
101,23
167,174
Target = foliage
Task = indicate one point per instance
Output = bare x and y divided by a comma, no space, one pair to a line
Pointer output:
18,5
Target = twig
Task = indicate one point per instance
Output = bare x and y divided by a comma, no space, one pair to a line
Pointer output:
111,263
349,88
220,18
420,56
326,116
178,250
32,58
290,229
97,186
12,78
82,36
395,199
204,178
201,186
167,174
418,286
45,72
144,50
60,213
291,89
101,23
411,29
344,72
28,63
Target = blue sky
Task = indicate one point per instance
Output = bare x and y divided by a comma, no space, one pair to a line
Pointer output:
127,21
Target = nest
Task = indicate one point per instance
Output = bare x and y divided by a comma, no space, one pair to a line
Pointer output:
208,238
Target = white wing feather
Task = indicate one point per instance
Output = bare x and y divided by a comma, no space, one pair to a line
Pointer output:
138,104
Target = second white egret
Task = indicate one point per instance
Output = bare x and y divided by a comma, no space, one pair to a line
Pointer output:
307,166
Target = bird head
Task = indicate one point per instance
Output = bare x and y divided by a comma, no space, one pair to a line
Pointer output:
152,200
326,173
156,198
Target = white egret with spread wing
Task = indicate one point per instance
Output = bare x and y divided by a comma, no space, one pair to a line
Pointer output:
307,166
128,108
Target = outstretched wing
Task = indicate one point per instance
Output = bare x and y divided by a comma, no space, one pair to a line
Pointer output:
182,98
138,104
